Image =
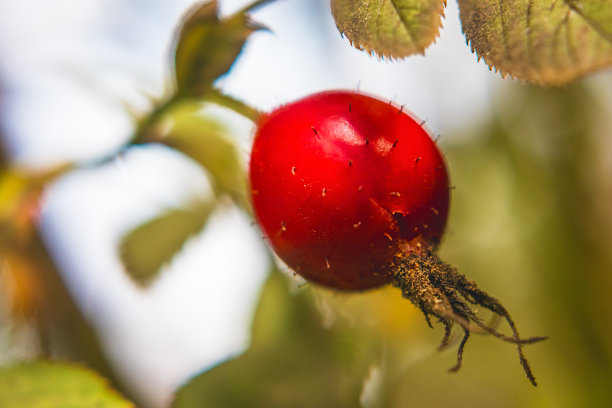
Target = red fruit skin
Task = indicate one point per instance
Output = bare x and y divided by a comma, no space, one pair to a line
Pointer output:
340,181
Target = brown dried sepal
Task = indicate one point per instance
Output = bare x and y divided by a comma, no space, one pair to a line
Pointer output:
440,291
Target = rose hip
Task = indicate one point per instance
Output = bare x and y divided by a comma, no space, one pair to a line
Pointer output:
353,193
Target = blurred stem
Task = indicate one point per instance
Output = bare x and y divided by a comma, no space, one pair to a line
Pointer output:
150,121
236,105
254,5
146,129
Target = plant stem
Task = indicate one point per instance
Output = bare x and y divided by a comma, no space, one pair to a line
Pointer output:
255,5
236,105
148,123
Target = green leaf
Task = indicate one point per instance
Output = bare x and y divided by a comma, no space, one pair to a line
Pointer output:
390,28
542,42
50,385
146,249
205,140
207,46
294,361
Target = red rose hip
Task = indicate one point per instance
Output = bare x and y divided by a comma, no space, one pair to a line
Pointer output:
352,193
340,180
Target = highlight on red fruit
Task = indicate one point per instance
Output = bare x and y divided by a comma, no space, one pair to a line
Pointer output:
352,193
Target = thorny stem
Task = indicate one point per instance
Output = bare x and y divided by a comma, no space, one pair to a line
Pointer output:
439,290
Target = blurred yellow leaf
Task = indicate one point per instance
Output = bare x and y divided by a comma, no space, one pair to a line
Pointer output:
21,192
390,28
13,188
20,285
146,249
50,385
542,42
381,311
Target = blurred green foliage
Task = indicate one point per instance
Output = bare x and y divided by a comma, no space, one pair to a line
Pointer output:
293,361
149,247
530,221
53,385
152,245
207,46
207,141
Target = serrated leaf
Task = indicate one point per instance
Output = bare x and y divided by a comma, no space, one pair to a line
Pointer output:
50,385
205,140
207,47
542,42
293,362
146,249
390,28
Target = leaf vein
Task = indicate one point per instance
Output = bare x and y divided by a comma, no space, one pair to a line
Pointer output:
529,38
503,30
405,23
572,49
378,17
593,24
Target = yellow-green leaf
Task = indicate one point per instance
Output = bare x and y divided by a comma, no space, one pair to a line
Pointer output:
51,385
294,361
390,28
205,140
207,46
542,42
146,249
